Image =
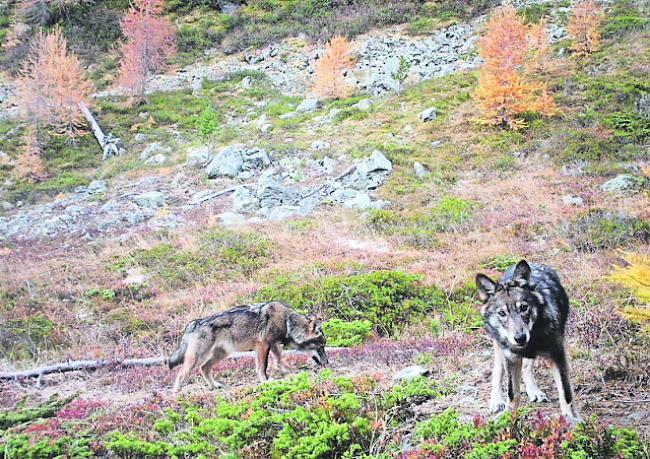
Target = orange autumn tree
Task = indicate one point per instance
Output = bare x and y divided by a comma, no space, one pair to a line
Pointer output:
504,90
584,25
330,81
539,49
149,40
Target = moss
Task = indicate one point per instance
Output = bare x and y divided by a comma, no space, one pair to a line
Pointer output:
45,410
501,262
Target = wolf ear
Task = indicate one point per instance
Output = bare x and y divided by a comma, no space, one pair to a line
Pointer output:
522,275
315,323
486,287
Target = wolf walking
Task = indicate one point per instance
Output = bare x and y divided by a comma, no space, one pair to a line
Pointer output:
525,314
263,327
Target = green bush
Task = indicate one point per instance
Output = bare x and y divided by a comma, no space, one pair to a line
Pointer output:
628,125
602,229
501,262
24,337
340,333
388,299
45,410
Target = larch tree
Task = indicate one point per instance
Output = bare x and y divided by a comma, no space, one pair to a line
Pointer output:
584,26
54,92
504,91
330,80
149,40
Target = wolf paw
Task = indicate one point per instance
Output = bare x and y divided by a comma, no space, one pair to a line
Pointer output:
537,396
497,406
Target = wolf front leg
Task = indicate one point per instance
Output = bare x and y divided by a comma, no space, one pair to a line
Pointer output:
496,398
276,350
560,370
535,394
262,360
513,367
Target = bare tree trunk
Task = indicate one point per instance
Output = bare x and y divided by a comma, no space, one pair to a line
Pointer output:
90,365
111,146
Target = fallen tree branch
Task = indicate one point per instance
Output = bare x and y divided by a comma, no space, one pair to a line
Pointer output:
91,365
110,145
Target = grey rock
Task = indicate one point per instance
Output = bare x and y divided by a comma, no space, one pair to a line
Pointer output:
329,164
256,159
320,145
309,105
571,200
420,170
231,219
363,104
156,160
6,205
135,276
247,82
271,193
429,114
288,116
97,187
139,137
154,149
624,183
266,127
150,199
283,213
199,156
136,217
228,163
333,113
467,389
412,372
243,200
370,173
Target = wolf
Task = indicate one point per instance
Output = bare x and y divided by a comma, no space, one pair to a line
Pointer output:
263,327
525,314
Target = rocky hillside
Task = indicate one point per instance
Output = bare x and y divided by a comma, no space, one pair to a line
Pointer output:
239,184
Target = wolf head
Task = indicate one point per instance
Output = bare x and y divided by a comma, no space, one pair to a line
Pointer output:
307,335
511,306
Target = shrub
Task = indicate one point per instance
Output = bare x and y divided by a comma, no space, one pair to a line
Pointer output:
501,262
45,410
24,337
344,334
635,276
584,25
330,81
388,299
602,229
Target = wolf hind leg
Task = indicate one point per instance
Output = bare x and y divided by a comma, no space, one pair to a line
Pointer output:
262,349
218,354
189,363
535,394
496,398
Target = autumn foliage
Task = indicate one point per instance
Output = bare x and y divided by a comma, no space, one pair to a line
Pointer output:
584,26
52,84
149,39
505,91
330,81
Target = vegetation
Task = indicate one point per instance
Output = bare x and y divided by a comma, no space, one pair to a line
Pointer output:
337,58
601,229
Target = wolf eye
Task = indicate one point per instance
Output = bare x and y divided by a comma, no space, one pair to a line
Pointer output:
524,307
502,313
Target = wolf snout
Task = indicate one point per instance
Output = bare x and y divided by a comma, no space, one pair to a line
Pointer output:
521,338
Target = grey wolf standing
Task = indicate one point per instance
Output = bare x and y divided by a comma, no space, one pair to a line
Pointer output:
262,327
525,314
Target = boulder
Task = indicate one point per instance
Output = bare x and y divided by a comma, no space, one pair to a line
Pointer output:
199,156
571,200
412,372
247,82
97,187
283,213
228,163
243,200
231,219
271,193
154,149
266,127
150,199
370,173
309,105
420,170
156,160
320,145
429,114
255,159
624,183
363,104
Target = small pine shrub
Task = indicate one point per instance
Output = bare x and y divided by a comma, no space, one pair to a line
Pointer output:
340,333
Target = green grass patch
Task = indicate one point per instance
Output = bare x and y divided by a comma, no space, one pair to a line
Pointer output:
602,229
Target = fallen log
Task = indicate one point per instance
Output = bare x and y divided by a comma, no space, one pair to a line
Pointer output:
113,364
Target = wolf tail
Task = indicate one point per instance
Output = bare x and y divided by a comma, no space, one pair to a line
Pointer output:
178,356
